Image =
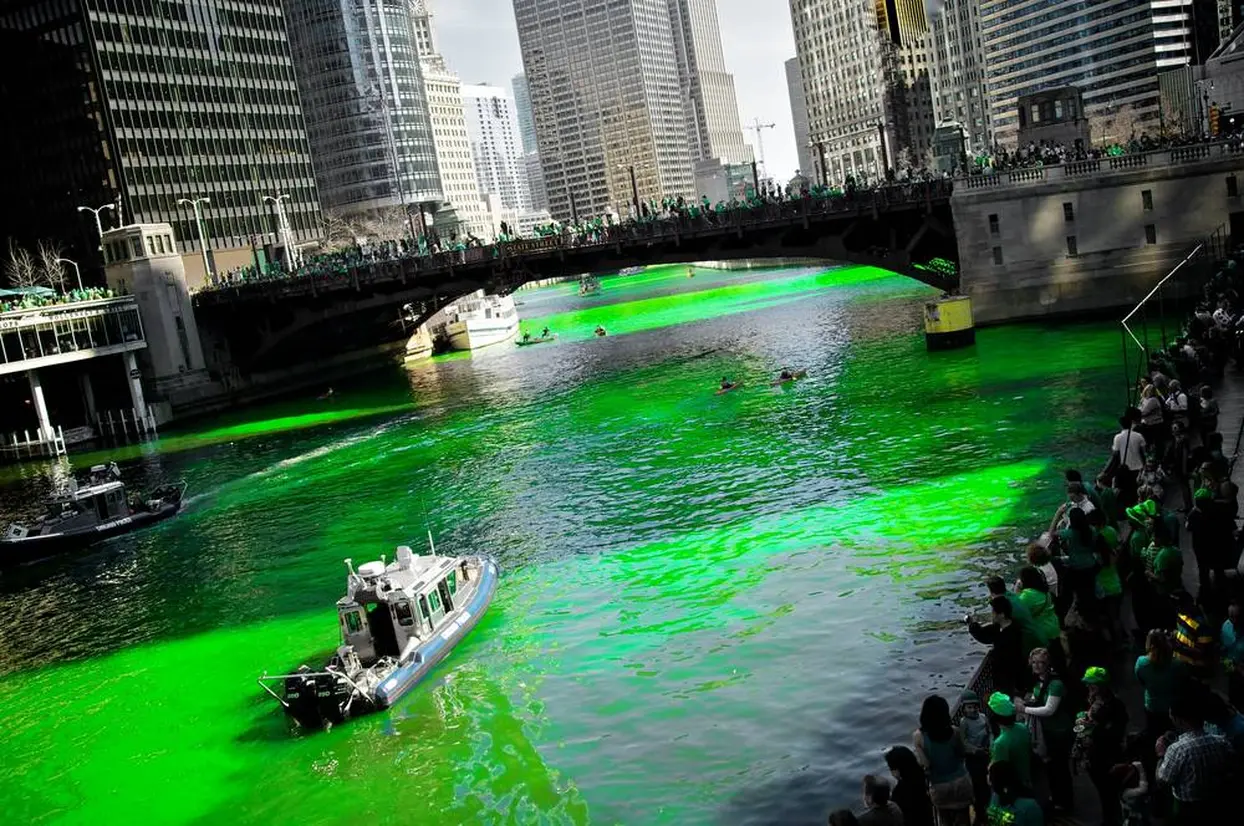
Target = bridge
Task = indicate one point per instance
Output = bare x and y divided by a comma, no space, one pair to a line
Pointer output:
272,323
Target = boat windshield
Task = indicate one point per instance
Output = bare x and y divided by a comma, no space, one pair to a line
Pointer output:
353,622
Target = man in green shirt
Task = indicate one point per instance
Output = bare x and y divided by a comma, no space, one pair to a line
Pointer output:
1013,743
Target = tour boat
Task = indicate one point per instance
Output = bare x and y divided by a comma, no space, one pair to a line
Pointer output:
477,321
397,622
83,514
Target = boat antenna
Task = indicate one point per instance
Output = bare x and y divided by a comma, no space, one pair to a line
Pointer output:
427,523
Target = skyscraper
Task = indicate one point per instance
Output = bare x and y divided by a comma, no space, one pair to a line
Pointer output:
364,104
958,72
144,108
808,166
492,123
1112,52
606,98
454,158
531,149
866,80
707,88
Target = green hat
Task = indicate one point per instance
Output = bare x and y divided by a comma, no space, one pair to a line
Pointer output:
969,696
1096,676
1001,705
1145,510
1203,493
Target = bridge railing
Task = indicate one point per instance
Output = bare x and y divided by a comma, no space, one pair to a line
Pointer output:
359,268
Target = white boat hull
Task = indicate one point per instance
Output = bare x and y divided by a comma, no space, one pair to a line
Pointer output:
475,335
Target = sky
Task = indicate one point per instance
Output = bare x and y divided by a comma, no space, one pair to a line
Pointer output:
480,42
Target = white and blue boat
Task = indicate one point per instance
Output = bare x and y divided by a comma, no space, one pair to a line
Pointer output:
397,620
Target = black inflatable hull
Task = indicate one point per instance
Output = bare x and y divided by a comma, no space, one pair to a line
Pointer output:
35,548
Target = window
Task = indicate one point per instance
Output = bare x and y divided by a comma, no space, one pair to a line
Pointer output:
452,581
1151,233
1233,186
1146,200
1069,211
997,256
993,224
353,623
1072,251
404,615
435,601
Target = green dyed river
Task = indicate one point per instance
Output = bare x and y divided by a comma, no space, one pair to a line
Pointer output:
715,609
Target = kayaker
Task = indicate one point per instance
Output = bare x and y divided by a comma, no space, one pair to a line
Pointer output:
526,336
726,384
544,333
785,376
600,331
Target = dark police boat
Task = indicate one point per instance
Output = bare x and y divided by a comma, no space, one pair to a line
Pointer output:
83,514
397,622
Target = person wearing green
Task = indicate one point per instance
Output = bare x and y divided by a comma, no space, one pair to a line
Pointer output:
1035,597
1013,743
1012,803
1050,708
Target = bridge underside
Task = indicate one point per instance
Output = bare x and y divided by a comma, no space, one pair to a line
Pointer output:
270,325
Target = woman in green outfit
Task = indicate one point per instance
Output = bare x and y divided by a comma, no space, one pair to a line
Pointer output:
1051,708
1161,676
1012,804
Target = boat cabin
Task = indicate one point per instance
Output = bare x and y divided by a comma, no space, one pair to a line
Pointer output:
100,500
389,607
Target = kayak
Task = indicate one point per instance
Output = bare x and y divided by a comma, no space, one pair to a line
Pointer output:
795,376
734,386
527,342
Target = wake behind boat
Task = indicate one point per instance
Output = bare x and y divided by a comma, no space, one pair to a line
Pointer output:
397,622
83,514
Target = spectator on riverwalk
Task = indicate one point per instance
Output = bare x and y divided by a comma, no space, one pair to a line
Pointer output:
1099,740
1049,709
1232,638
1078,543
1177,461
1197,768
1162,677
1013,743
879,809
978,737
1078,498
1194,641
1039,558
1108,498
1152,418
1224,720
1127,460
911,787
1035,597
941,749
1207,415
1006,639
843,817
1012,803
1020,614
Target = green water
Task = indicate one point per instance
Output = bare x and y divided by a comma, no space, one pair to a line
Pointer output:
715,609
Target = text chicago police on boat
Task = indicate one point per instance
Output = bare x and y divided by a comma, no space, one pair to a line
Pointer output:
79,515
397,622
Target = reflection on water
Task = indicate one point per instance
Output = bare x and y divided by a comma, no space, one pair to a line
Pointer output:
715,608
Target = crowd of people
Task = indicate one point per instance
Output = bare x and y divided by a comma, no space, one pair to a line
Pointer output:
33,300
1051,153
1100,613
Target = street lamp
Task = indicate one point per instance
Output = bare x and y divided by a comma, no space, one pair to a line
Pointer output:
198,222
282,223
99,227
76,271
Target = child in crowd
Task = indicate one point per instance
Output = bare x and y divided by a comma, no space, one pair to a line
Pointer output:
978,738
1154,478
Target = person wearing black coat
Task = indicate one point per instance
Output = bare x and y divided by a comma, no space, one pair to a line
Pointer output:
1010,666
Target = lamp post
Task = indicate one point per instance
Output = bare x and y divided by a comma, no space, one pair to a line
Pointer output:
282,222
198,222
76,271
99,227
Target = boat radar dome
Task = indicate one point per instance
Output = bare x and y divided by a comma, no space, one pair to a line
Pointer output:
405,556
370,569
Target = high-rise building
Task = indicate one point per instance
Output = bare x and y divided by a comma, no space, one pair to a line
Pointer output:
526,120
144,107
531,149
606,99
1112,53
364,103
865,71
454,158
707,88
958,72
492,123
809,166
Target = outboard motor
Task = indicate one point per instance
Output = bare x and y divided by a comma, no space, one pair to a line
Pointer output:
315,699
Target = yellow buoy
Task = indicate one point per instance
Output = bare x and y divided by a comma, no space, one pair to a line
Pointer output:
948,323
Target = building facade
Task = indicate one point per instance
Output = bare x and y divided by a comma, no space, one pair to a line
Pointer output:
1113,55
959,93
496,144
809,166
144,107
712,110
531,149
865,71
365,107
605,98
454,158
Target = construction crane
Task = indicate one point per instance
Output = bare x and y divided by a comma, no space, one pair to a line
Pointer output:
758,128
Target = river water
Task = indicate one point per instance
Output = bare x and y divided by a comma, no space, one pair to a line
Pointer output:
715,609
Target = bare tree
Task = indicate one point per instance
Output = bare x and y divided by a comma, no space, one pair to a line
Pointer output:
51,270
21,269
1116,124
385,225
339,231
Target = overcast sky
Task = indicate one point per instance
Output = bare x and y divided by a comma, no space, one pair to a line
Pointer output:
480,42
